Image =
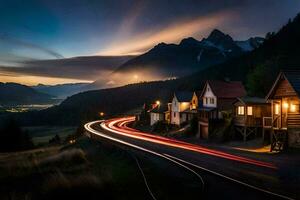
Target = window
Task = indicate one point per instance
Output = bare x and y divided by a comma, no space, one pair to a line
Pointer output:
174,114
241,110
212,101
293,108
207,89
276,110
204,102
249,110
207,100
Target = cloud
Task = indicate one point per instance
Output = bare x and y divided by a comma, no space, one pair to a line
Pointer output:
34,80
128,23
16,43
171,33
81,68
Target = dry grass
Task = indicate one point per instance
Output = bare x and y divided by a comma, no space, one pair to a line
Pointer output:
64,158
80,170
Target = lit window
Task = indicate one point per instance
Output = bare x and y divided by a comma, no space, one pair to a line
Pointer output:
241,110
249,110
285,105
293,108
277,107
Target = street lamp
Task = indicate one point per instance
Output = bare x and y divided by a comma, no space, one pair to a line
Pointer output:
157,102
101,114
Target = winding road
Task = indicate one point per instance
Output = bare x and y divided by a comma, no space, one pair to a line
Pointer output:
223,174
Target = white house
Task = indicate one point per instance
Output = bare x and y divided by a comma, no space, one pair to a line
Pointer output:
182,103
159,113
217,96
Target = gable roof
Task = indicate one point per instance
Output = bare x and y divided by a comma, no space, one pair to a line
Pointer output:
184,96
292,76
225,89
251,100
160,108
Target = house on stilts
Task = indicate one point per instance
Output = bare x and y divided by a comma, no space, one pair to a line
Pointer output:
284,122
217,98
248,115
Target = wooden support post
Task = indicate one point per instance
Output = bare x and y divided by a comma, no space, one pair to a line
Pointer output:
272,132
245,134
263,136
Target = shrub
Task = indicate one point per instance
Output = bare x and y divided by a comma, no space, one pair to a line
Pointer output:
13,138
55,140
59,186
222,129
65,158
161,127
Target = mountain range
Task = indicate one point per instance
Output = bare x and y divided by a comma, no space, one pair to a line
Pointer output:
16,94
61,91
164,61
168,61
190,55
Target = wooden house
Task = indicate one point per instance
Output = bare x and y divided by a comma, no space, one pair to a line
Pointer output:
248,115
284,122
182,104
217,97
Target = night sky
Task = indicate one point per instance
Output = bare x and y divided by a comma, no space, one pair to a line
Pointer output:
38,29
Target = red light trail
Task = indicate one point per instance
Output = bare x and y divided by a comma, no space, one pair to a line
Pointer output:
119,126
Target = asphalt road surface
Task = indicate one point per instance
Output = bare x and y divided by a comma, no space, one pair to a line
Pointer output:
223,175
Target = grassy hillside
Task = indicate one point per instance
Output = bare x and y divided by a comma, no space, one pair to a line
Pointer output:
90,170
